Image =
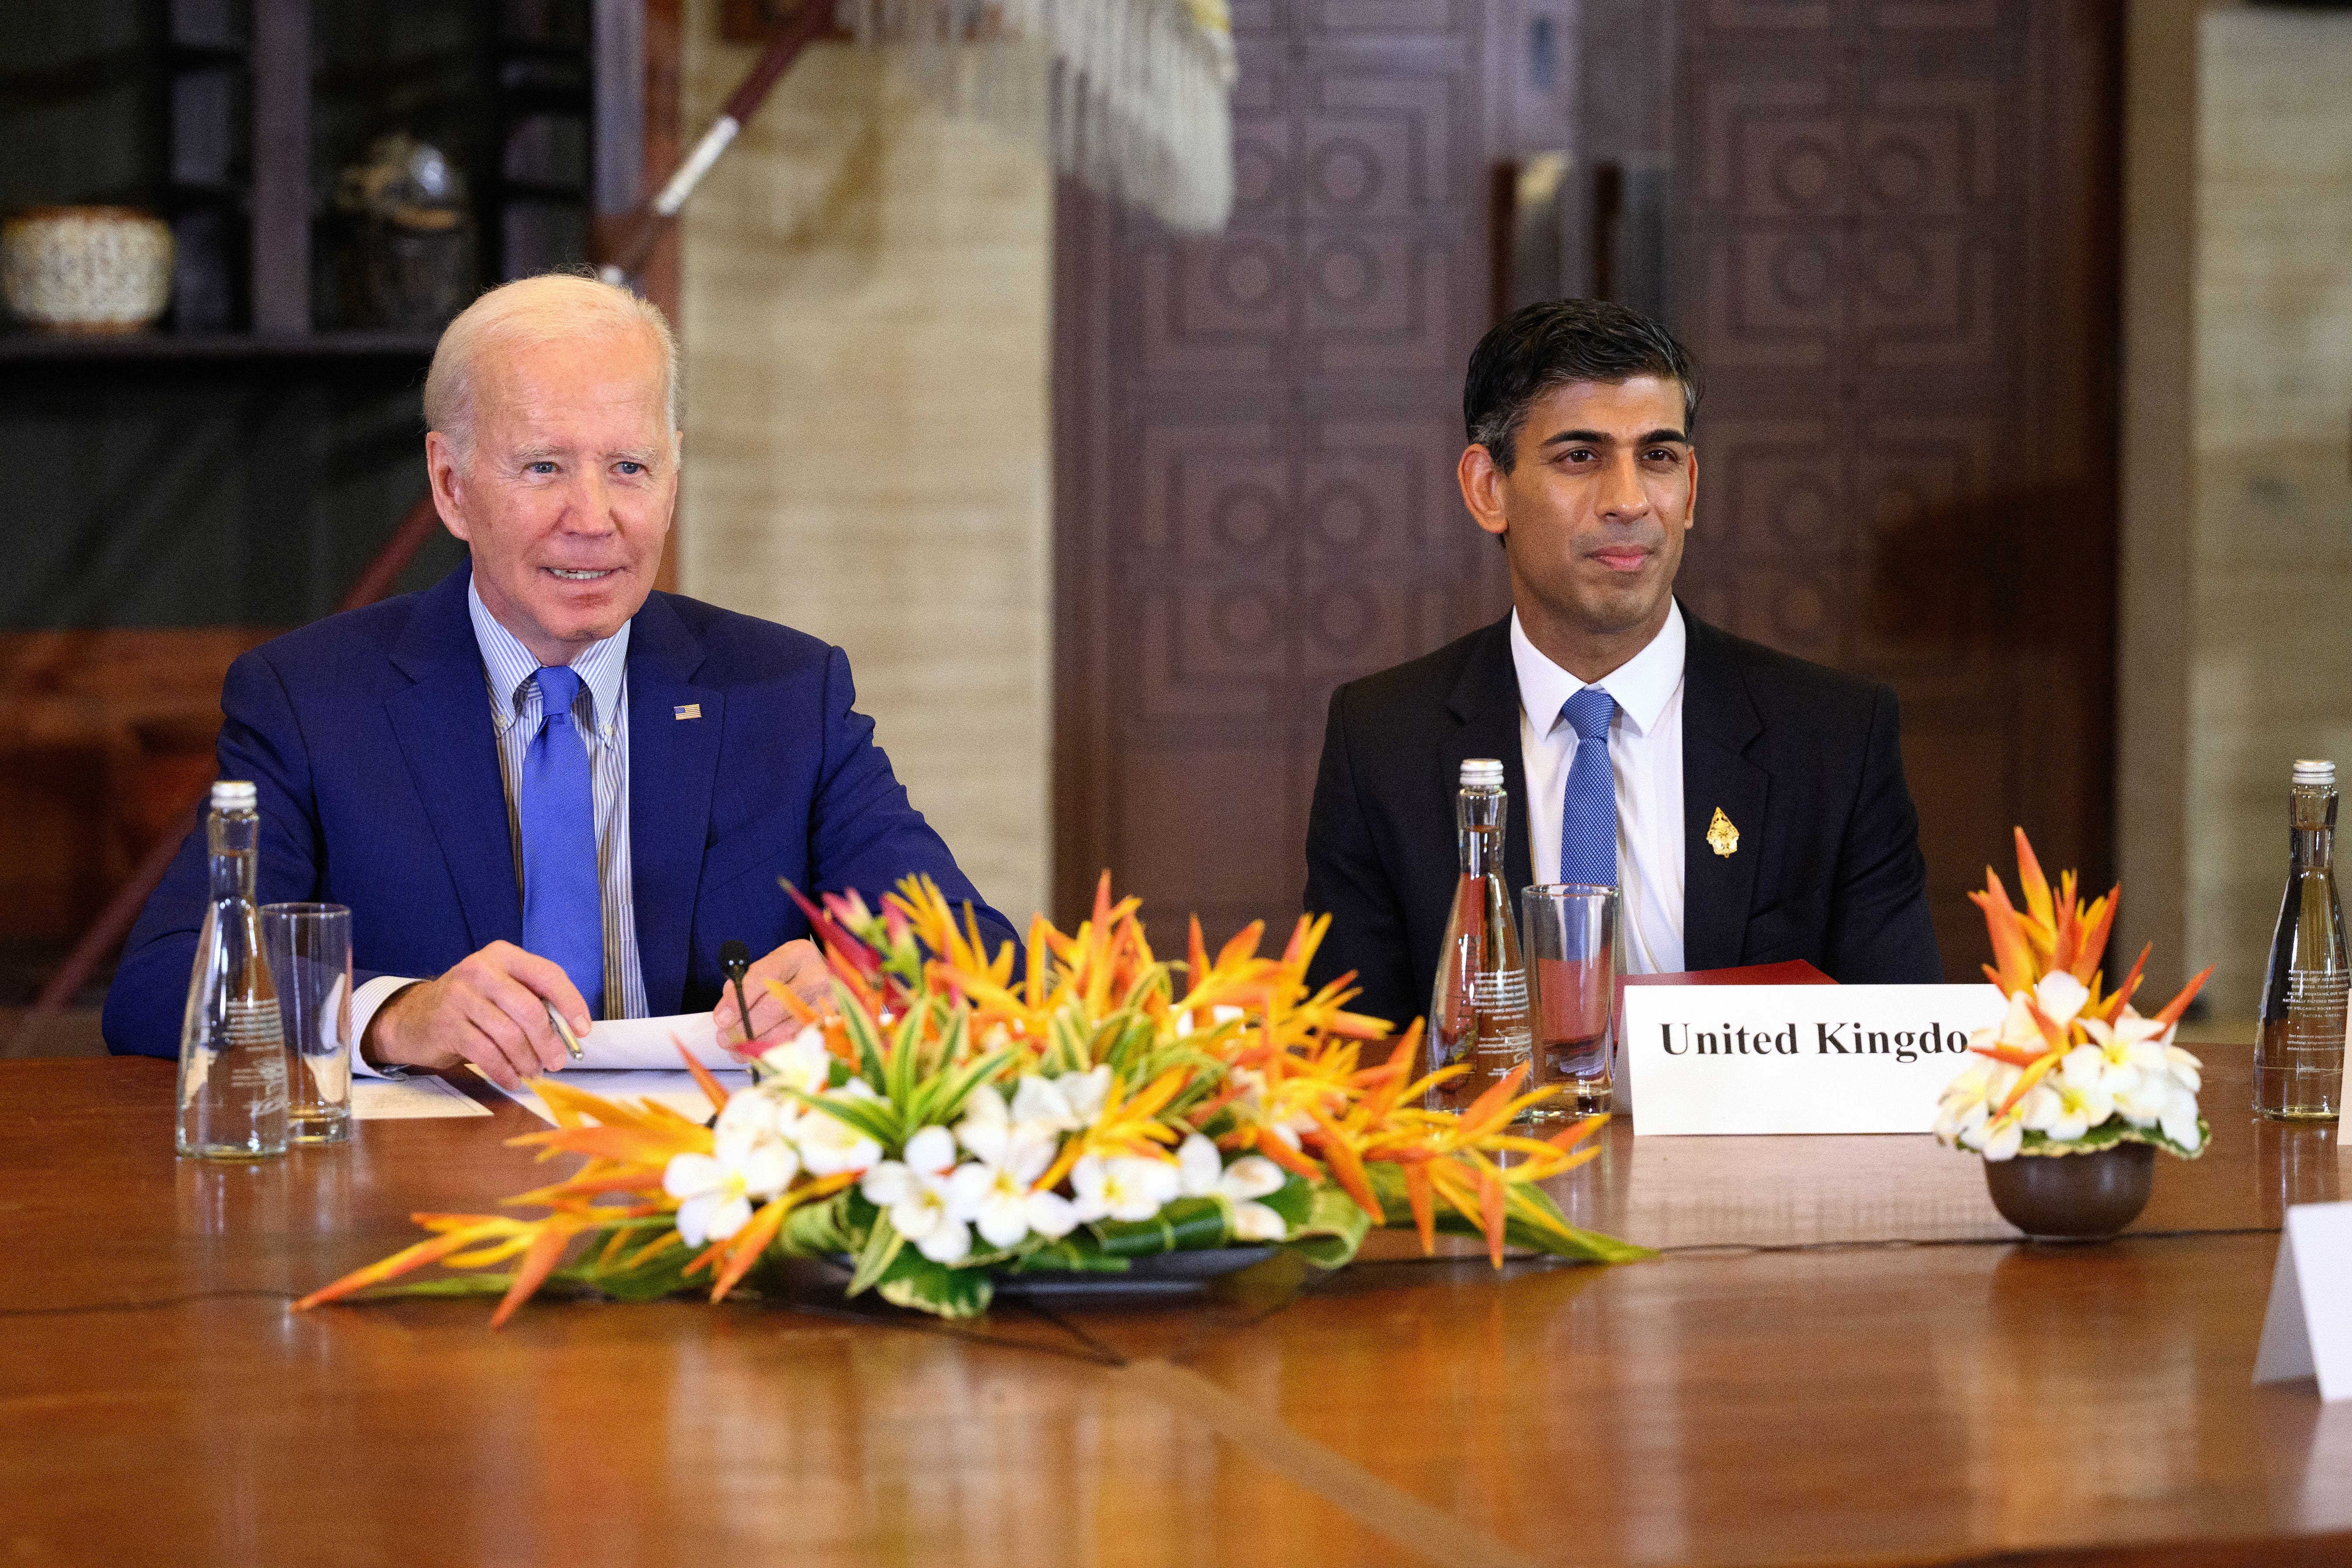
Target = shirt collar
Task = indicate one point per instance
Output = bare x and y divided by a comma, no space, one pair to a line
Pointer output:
1640,687
510,667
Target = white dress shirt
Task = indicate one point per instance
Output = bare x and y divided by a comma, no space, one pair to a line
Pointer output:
1645,755
600,713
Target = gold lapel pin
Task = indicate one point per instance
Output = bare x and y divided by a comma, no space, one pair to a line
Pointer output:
1721,836
694,710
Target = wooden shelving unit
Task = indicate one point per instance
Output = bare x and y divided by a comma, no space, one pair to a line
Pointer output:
42,346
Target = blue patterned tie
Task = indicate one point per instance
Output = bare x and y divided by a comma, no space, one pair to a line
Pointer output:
562,904
1588,825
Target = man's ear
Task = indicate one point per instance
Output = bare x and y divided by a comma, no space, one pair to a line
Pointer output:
1482,489
441,471
1690,511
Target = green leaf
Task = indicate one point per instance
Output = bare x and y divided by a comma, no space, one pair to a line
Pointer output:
1294,1200
914,1280
1067,1049
1154,978
1525,1210
814,1230
1183,1226
907,1055
942,1099
883,1245
874,1117
861,1034
1078,1253
1335,1227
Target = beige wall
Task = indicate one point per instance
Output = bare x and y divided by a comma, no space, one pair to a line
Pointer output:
867,330
2270,602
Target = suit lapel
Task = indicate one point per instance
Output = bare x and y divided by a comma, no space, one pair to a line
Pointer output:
673,767
1486,708
1719,722
443,724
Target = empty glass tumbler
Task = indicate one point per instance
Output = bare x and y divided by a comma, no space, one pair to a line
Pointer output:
309,949
1571,934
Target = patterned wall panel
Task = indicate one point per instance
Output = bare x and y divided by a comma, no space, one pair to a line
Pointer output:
1258,434
1891,237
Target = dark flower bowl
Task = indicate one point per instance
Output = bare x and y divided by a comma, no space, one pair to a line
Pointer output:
2072,1197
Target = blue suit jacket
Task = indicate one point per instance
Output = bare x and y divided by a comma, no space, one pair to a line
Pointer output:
369,737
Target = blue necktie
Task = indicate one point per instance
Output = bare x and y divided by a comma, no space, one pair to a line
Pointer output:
1588,825
562,901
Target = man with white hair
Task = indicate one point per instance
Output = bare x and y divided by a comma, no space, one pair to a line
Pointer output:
541,781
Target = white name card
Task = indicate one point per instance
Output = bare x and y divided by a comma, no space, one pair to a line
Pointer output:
1797,1059
2307,1329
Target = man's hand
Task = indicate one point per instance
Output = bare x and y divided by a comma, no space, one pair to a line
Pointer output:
490,1010
798,966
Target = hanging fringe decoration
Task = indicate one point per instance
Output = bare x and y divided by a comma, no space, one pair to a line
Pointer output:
1138,92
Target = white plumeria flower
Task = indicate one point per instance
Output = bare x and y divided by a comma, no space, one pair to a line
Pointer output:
1201,1172
1062,1104
2186,1070
1969,1100
754,1116
829,1146
987,1126
2179,1118
715,1191
1998,1140
993,1193
1122,1187
914,1192
2070,1101
801,1063
2059,996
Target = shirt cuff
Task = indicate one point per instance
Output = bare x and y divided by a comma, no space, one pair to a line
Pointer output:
371,996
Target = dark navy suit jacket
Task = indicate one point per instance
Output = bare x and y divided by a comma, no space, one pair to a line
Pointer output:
369,737
1804,761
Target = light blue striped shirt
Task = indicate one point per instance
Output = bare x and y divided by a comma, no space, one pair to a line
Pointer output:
602,713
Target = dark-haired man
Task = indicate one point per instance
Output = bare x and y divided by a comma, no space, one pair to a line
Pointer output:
1749,807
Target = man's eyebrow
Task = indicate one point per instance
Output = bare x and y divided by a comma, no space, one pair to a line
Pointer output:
1602,438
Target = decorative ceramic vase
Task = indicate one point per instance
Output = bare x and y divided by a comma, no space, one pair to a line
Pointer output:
2072,1197
86,269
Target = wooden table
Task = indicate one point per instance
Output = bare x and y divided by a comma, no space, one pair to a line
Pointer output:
1844,1357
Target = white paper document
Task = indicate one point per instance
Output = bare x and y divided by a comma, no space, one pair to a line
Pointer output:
410,1099
1797,1059
2307,1328
630,1043
677,1091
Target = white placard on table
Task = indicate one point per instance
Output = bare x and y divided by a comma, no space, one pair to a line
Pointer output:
1797,1059
2307,1328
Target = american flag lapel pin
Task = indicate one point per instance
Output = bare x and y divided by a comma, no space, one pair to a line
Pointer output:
688,710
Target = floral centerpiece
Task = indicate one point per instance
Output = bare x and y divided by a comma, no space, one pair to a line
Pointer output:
950,1121
2071,1069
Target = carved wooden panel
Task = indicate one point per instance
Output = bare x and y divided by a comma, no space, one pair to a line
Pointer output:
1897,244
1255,437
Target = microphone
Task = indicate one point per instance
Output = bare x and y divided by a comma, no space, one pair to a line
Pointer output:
736,959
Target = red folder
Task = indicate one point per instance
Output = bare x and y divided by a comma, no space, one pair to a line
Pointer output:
1793,971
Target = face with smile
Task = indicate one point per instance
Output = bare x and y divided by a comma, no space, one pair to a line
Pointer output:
1592,515
567,491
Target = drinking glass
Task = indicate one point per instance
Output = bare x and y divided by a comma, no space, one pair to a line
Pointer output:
310,948
1570,930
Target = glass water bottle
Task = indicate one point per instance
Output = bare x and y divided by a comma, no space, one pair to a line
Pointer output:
232,1050
1478,1009
2299,1062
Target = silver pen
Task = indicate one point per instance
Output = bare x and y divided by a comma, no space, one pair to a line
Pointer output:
562,1030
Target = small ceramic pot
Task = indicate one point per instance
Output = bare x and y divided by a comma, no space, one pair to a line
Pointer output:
86,269
2072,1197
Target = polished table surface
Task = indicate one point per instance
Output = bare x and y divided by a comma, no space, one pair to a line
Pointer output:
1844,1355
